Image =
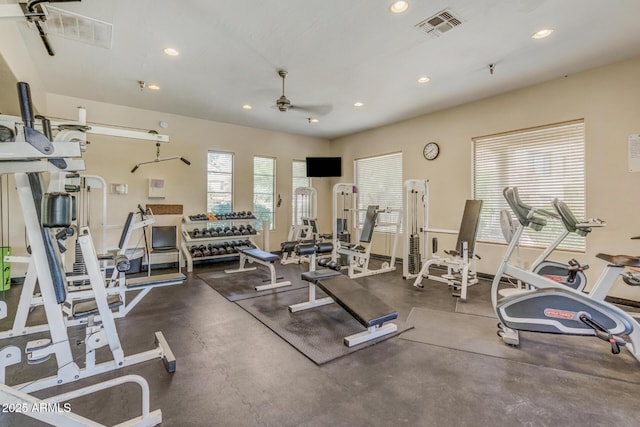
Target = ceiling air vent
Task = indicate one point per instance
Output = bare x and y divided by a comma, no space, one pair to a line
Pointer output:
439,23
77,27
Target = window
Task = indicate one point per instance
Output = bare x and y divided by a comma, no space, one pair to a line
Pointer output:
219,182
544,163
264,188
299,179
379,182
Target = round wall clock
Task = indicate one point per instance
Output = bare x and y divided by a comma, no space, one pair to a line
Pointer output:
431,151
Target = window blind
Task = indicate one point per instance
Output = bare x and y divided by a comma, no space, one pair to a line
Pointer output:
544,163
264,187
219,182
379,182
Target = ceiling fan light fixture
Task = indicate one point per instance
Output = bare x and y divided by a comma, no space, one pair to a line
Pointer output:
171,51
399,6
546,32
153,87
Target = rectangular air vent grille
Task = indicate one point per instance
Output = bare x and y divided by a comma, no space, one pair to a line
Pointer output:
440,23
80,28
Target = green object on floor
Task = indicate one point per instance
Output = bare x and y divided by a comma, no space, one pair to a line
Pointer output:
6,269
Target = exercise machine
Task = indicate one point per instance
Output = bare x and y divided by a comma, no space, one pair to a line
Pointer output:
28,157
460,262
358,255
79,305
305,225
550,307
416,196
570,274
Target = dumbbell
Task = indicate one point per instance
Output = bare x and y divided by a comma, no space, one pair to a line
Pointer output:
195,252
196,232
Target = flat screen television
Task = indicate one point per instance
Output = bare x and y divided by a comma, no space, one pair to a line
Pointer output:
318,167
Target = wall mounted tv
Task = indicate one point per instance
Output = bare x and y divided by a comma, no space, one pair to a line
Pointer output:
318,167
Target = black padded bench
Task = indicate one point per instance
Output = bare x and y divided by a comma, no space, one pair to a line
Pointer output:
251,255
364,306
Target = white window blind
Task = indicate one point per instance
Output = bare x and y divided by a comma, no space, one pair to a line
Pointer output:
544,163
264,188
299,179
219,182
379,182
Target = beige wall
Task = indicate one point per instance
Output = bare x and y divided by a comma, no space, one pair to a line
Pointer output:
607,99
113,158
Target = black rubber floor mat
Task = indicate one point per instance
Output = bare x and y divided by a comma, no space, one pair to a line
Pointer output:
317,333
240,286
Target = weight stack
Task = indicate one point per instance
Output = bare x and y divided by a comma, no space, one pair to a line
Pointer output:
415,263
78,267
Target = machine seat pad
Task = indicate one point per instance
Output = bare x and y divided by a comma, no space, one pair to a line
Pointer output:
364,306
258,254
315,276
626,260
89,307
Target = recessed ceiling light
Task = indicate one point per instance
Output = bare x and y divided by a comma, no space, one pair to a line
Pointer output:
313,120
171,51
154,87
358,104
247,107
542,34
399,6
423,79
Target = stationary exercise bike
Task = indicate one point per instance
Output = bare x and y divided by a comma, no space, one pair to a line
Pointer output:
551,307
569,274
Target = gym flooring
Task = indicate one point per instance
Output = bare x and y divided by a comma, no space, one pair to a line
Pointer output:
449,370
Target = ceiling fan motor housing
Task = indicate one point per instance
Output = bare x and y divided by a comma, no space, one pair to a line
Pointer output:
283,103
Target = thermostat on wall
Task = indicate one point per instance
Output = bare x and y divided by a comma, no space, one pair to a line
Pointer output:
119,188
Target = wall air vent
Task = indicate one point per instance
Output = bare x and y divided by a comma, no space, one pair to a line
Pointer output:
440,23
77,27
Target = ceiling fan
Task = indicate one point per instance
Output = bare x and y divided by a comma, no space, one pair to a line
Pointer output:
284,104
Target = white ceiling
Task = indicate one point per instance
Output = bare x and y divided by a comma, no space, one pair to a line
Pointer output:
336,53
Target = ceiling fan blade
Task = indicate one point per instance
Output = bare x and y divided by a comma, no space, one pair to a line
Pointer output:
318,110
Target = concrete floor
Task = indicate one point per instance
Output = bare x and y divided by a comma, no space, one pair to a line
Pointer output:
233,371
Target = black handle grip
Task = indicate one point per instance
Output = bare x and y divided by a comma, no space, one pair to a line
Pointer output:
26,108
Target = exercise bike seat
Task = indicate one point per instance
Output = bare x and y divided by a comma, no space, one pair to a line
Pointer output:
625,260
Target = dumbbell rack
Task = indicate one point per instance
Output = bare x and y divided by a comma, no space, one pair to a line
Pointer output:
188,226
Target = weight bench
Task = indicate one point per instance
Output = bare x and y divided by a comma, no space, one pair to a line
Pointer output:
260,257
364,306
